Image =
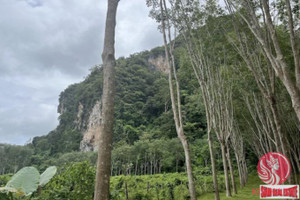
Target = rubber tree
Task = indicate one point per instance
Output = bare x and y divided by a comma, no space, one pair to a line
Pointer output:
263,24
161,13
106,130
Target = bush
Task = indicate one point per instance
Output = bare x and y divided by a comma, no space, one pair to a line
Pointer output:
4,179
76,182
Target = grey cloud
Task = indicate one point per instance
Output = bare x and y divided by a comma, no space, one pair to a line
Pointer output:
64,36
47,45
135,30
20,123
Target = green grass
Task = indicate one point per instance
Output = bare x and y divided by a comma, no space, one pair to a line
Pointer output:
160,185
137,187
245,193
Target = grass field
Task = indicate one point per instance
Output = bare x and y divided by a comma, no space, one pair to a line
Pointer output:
245,193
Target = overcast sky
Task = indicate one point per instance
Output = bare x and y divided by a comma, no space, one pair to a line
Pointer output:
46,45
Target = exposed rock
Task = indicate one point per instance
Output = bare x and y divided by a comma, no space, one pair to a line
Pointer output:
159,63
78,120
91,135
61,109
90,127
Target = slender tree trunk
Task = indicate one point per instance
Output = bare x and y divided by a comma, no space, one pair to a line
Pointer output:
176,168
240,172
126,191
296,159
231,170
106,131
188,163
213,166
198,62
205,96
136,168
228,192
245,169
176,104
273,105
160,166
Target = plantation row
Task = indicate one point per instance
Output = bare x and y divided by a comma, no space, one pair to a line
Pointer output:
76,181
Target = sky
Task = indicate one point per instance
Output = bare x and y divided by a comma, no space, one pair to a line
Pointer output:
47,45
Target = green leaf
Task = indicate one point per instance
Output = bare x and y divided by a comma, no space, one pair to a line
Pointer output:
47,175
25,180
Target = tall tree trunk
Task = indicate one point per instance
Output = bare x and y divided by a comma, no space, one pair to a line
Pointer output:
126,191
188,164
198,62
213,166
106,130
245,169
176,104
273,105
231,170
176,168
136,167
198,71
240,171
223,149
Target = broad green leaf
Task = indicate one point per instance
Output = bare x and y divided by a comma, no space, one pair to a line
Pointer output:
25,180
47,175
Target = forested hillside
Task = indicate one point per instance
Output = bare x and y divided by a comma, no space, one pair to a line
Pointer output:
144,135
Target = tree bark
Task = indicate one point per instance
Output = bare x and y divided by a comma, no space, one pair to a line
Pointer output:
240,171
198,68
126,191
228,192
176,104
213,166
188,163
105,140
231,170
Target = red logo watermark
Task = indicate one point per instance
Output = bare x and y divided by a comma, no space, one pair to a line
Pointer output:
273,168
279,191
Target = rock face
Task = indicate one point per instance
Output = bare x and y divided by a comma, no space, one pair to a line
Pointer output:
79,119
90,126
91,134
159,63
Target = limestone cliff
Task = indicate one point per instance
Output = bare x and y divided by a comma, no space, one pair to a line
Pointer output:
139,101
91,134
90,128
80,108
79,118
159,63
